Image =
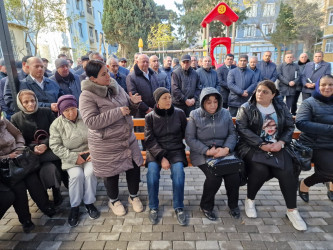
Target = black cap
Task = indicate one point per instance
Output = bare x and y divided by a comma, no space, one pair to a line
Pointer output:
84,58
45,60
122,59
186,58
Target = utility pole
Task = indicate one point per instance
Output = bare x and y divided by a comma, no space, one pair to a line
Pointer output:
7,51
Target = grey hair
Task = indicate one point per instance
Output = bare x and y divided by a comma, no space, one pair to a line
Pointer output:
110,59
91,55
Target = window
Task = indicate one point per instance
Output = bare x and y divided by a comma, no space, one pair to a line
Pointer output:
89,8
91,34
250,30
81,30
100,16
96,34
267,28
269,9
252,12
329,46
330,18
78,4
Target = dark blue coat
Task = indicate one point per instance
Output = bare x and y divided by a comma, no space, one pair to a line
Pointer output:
208,78
257,74
238,81
168,72
287,73
123,71
314,75
121,79
222,75
71,88
268,70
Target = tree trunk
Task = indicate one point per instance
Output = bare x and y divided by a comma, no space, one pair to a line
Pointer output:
278,60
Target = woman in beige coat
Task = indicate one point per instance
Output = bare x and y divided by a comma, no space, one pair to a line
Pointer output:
106,108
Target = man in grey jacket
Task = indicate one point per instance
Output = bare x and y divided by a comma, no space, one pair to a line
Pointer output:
241,82
313,71
267,68
162,77
185,86
289,76
207,75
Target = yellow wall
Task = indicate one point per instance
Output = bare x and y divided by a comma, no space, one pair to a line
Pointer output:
328,30
19,47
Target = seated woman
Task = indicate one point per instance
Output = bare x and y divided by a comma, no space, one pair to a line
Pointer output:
16,195
68,140
315,120
106,110
29,120
260,137
210,132
164,133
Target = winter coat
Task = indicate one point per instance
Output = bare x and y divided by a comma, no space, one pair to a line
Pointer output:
301,66
204,129
208,78
11,138
162,79
257,74
123,71
309,72
137,83
72,87
164,134
222,75
168,71
121,80
286,73
268,70
184,85
249,125
112,143
68,139
238,81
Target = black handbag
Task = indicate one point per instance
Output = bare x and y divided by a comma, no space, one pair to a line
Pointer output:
229,164
272,159
300,154
13,170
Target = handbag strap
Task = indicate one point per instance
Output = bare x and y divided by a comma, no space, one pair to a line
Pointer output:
39,135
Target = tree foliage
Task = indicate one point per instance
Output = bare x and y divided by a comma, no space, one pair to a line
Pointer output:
160,36
37,16
124,22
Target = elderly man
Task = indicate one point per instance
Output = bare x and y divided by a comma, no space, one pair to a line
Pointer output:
3,71
241,82
68,82
253,66
185,86
207,75
113,66
175,64
267,68
78,64
84,61
46,90
289,76
313,71
194,62
167,61
136,56
162,77
143,81
92,56
222,74
200,60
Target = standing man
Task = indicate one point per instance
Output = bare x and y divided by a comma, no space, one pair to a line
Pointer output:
207,75
267,68
113,66
200,59
194,62
222,74
123,62
289,76
167,67
313,71
185,86
46,64
241,82
253,66
162,77
3,70
81,70
175,63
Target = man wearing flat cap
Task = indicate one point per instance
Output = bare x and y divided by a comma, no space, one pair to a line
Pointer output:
185,86
68,82
123,62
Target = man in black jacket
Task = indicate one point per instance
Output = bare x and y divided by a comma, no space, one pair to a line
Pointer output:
185,86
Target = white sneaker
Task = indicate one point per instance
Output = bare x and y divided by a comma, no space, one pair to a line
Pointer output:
250,208
296,219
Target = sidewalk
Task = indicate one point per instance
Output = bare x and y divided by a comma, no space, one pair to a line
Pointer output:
271,230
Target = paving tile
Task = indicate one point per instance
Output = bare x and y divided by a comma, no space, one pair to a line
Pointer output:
136,245
160,245
6,236
239,236
173,236
277,245
207,244
108,236
8,244
27,245
226,228
261,237
93,245
230,245
142,228
268,229
300,245
100,229
71,245
121,229
45,237
183,245
24,236
86,237
129,237
194,236
216,236
49,245
116,245
253,245
162,228
247,229
204,228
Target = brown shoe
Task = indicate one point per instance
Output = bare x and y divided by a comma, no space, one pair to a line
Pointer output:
136,203
117,208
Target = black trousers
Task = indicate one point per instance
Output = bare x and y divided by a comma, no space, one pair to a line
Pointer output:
132,177
289,101
233,111
16,196
294,104
212,185
305,96
259,173
186,109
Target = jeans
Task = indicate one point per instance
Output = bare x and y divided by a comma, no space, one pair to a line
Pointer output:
153,182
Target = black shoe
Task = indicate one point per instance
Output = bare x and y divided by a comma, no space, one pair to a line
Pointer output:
28,226
57,197
181,217
153,216
92,211
73,218
49,211
235,213
209,214
304,195
329,192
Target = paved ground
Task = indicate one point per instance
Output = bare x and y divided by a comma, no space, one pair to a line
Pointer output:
271,230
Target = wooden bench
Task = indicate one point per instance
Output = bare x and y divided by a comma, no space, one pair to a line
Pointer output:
140,122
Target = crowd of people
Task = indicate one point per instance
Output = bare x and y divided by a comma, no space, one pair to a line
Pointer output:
79,123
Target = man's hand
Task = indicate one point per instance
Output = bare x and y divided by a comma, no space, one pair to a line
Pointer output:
54,107
309,85
291,83
135,98
165,164
125,110
190,102
245,94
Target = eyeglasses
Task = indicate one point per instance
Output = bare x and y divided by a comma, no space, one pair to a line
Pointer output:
265,92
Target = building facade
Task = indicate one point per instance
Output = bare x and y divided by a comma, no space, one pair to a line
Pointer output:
327,43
